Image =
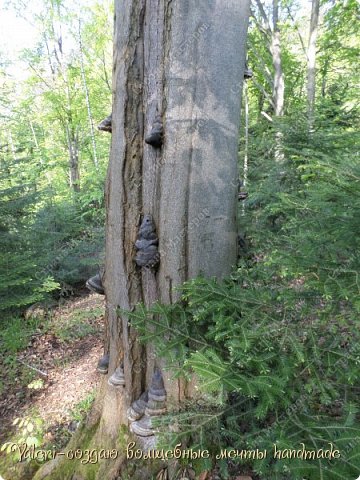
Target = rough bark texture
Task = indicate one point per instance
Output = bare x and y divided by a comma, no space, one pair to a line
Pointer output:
169,60
185,61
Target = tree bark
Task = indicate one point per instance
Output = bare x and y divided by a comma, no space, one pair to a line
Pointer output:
184,61
246,143
191,195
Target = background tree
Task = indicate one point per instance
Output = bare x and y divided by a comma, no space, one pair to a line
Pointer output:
311,60
271,33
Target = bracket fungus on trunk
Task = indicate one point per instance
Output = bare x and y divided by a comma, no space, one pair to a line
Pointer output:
117,379
147,244
155,138
155,407
106,124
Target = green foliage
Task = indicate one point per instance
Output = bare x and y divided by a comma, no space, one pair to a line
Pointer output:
52,232
81,409
15,333
30,432
78,325
339,51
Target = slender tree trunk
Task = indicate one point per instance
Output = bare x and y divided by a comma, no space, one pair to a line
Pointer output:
272,37
74,172
311,64
168,61
324,73
279,84
275,49
87,98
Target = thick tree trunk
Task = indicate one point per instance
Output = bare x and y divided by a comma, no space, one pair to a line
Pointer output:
311,63
181,60
190,185
246,145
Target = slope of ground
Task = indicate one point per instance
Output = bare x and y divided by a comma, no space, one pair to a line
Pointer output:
53,379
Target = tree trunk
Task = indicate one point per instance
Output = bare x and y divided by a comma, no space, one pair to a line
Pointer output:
181,60
275,49
272,37
246,145
87,98
311,63
74,172
324,73
279,84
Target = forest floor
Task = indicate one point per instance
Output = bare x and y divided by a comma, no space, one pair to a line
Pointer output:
47,387
51,382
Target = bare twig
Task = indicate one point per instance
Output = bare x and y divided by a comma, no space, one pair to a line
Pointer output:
263,15
40,76
266,116
266,33
266,95
40,372
298,32
105,71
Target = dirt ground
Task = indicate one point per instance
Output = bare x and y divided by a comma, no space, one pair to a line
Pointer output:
62,368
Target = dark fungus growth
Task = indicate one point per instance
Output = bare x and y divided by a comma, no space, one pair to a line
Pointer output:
147,244
155,138
106,124
154,407
248,73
